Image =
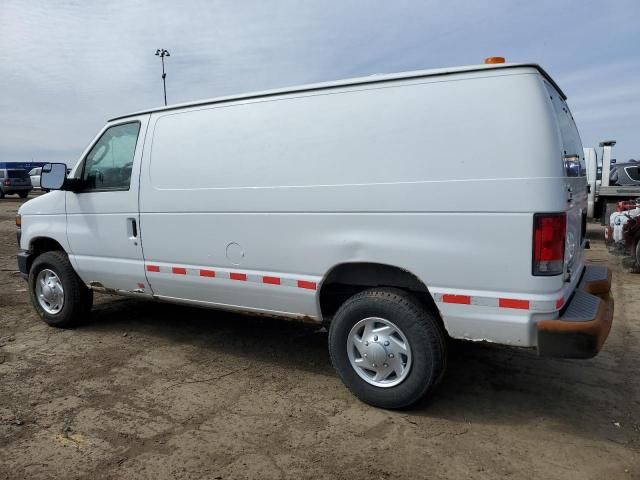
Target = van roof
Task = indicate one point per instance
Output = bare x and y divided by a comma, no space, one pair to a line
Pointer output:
376,78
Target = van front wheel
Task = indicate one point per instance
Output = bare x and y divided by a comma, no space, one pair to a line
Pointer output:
388,349
57,293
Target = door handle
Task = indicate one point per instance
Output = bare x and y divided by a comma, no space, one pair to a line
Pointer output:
132,229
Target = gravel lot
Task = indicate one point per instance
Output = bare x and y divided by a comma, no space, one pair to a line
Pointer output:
147,390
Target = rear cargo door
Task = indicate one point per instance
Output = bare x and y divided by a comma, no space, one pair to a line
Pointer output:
572,157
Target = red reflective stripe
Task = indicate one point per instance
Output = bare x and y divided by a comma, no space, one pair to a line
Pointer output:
559,303
461,299
307,284
513,303
235,276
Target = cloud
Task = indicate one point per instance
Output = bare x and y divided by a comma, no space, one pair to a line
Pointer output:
66,66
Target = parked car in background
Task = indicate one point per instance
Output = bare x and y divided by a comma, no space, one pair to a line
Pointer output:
35,177
14,181
627,173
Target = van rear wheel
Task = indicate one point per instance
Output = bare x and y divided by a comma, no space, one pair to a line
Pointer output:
57,293
387,348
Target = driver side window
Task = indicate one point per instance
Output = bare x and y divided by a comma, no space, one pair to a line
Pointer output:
109,163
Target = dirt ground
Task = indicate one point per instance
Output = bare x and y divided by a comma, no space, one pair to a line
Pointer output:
146,390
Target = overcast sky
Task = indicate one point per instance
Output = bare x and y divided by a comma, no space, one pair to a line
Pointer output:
68,66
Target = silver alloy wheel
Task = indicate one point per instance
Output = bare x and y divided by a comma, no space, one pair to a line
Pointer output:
49,291
379,352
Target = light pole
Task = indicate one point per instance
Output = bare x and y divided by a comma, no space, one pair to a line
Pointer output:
161,52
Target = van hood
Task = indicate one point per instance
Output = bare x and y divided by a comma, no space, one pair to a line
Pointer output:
51,203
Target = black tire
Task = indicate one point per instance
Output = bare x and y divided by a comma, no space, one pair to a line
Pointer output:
1,194
23,194
78,299
421,329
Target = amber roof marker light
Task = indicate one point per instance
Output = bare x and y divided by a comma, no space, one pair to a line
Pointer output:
493,60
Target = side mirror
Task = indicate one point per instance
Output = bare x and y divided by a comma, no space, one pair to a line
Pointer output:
53,176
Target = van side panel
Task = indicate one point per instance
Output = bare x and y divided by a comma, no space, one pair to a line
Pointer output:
411,173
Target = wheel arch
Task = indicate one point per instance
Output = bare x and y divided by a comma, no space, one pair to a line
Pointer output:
41,244
346,279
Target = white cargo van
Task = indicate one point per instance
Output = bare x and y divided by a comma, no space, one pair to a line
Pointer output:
399,210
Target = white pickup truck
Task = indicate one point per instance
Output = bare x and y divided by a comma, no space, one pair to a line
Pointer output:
610,182
399,210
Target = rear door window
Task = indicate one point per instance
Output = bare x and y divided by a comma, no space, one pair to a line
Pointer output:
17,174
571,144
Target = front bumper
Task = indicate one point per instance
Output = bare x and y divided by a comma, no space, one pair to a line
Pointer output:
585,322
24,263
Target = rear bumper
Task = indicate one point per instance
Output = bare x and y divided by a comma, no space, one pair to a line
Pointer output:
16,189
585,322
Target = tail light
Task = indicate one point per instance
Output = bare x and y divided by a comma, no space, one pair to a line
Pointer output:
549,231
7,182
